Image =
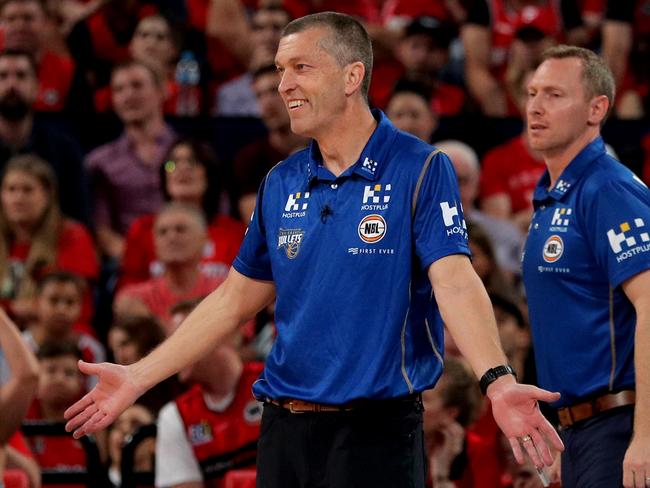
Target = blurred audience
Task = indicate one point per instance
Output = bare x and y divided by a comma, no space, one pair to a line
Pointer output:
130,339
507,239
626,48
180,237
189,175
59,299
494,28
124,173
510,172
119,433
214,426
20,133
237,97
409,110
20,371
37,239
457,457
255,160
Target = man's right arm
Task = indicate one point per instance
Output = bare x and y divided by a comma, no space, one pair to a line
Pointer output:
237,300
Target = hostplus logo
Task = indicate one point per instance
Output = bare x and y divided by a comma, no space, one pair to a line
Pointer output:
369,165
561,219
452,220
630,241
376,197
296,205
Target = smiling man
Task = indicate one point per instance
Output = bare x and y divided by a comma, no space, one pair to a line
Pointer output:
352,237
586,274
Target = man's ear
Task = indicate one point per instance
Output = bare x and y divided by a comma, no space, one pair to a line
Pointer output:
354,74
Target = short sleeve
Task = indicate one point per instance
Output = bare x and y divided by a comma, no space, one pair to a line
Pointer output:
439,227
175,461
620,215
253,259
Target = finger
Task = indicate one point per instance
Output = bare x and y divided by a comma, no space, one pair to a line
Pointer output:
542,448
78,407
544,395
88,368
551,435
81,418
88,426
628,478
516,449
530,448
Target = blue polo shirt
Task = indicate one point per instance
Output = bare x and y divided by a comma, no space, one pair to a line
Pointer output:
354,312
589,234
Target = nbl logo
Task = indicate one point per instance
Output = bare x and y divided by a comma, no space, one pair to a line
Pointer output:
372,228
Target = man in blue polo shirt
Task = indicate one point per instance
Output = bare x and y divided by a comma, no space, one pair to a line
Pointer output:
586,271
352,237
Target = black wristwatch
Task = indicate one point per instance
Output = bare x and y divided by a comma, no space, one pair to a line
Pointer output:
492,374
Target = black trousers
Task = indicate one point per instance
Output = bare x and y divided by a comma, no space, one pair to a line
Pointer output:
379,444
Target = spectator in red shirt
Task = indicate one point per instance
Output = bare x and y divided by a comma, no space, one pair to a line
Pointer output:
59,298
189,175
132,338
489,32
510,172
37,238
180,236
457,457
24,24
60,384
214,426
410,111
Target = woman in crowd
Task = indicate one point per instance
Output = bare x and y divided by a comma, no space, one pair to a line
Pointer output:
36,238
190,175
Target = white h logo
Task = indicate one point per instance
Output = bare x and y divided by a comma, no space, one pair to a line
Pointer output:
369,193
616,239
293,204
558,214
448,213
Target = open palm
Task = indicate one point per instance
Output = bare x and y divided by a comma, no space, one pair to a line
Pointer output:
114,392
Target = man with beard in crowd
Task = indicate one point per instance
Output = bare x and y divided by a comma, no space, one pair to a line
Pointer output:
20,133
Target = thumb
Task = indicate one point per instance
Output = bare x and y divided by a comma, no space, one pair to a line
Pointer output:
88,368
545,395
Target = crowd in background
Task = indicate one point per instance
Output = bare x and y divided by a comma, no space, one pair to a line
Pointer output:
134,135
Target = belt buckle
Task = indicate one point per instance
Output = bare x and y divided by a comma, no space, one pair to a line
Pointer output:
293,410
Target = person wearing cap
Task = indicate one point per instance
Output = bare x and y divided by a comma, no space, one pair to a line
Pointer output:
353,238
586,270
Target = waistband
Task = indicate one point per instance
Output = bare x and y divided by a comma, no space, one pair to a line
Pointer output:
585,410
302,406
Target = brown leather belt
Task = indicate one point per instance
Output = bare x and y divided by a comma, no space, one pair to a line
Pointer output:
582,411
302,406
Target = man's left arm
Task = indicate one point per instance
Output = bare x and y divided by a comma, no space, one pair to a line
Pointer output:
637,457
466,310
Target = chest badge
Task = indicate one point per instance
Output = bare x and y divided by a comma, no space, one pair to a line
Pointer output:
553,249
290,240
372,228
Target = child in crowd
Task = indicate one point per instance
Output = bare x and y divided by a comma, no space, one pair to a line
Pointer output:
59,297
60,384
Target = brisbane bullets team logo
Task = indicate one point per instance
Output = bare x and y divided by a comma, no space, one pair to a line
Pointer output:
290,240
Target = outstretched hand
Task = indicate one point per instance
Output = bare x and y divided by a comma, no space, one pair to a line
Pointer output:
515,410
115,391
